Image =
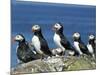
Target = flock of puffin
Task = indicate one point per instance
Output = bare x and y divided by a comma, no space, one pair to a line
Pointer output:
39,49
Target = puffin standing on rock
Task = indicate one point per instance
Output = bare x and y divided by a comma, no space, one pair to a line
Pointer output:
39,42
61,41
25,52
91,45
79,45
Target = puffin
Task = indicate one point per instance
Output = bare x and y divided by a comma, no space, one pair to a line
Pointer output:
61,41
24,51
39,42
91,45
79,44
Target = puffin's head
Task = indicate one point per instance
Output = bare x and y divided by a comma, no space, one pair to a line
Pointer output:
91,37
76,36
36,28
58,27
19,38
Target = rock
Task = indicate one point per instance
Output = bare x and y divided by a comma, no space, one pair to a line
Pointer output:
55,64
81,63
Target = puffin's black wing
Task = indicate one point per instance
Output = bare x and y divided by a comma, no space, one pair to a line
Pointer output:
20,54
24,53
44,47
65,43
94,46
84,48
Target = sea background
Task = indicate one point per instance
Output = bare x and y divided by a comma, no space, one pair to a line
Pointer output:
75,18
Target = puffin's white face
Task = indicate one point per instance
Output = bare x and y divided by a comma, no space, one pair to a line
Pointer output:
76,35
91,37
18,38
57,26
35,28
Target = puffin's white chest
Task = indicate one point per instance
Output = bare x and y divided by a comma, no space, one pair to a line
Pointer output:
36,44
76,45
90,48
57,40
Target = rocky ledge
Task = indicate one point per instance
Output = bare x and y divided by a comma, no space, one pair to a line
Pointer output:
55,64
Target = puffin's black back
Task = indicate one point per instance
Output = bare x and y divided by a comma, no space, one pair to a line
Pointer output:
44,46
83,48
24,53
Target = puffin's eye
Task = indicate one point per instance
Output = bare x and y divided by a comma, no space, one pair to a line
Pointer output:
76,33
17,36
36,26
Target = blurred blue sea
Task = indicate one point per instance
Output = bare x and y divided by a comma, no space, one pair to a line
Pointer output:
75,18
